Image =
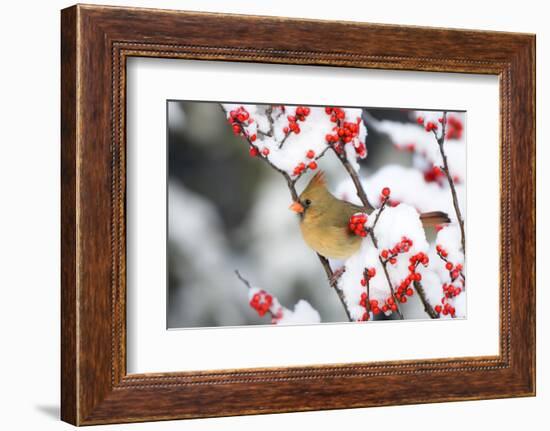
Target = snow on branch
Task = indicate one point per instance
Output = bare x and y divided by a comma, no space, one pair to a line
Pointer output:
385,271
264,303
416,138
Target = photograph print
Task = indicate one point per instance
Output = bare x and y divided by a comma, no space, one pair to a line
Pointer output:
300,214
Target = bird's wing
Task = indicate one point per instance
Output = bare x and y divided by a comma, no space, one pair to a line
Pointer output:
339,214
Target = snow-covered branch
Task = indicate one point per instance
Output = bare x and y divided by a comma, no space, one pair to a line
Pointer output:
292,161
265,303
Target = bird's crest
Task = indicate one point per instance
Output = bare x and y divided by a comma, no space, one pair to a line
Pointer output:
319,179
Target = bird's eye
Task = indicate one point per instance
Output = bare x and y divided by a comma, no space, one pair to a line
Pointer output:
307,202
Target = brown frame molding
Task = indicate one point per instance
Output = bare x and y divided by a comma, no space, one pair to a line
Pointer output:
95,43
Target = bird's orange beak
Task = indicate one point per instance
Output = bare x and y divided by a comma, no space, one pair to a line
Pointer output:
297,207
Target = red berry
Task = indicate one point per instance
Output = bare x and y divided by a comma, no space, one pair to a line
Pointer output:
409,292
252,138
449,266
313,165
310,154
363,282
385,254
371,272
420,120
286,130
265,151
438,308
253,151
386,191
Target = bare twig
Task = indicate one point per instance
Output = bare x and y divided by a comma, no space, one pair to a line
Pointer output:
422,295
244,280
330,274
445,168
355,178
367,302
285,138
269,115
295,197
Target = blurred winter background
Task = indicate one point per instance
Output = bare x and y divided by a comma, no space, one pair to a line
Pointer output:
228,211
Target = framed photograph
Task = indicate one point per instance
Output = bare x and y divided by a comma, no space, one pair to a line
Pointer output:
332,222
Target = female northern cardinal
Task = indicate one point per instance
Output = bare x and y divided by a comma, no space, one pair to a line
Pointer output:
324,220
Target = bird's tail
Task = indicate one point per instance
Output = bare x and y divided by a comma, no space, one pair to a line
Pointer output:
434,218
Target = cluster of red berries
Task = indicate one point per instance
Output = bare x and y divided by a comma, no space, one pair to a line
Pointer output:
447,309
451,291
344,132
368,274
311,164
454,128
261,302
390,255
389,305
239,119
455,271
300,115
335,113
356,224
433,174
404,289
429,125
254,152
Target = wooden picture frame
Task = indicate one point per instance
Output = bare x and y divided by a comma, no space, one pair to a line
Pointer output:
95,43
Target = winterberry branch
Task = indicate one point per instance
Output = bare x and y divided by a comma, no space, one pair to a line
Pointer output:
454,271
383,262
295,197
445,168
267,305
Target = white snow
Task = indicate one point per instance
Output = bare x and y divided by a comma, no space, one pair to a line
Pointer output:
405,135
312,135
